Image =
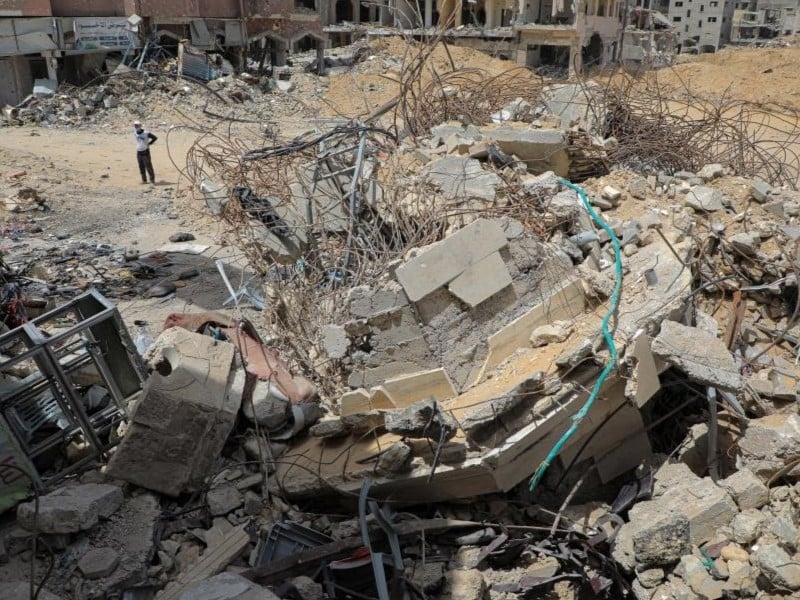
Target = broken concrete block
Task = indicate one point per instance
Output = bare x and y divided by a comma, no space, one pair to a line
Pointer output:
381,399
778,567
706,506
555,332
354,402
702,356
71,509
611,194
335,341
759,190
367,301
268,405
769,444
307,588
441,263
226,586
365,422
660,537
329,428
746,242
465,585
638,188
460,177
481,281
181,424
396,459
98,563
422,419
747,526
711,171
746,489
704,199
223,499
408,389
783,529
540,149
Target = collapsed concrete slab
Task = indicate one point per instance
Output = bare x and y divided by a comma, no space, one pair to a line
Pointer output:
70,509
184,417
540,149
462,177
701,355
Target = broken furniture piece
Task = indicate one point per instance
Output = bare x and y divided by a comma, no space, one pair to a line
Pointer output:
86,372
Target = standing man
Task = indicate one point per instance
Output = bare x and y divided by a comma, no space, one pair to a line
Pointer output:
144,139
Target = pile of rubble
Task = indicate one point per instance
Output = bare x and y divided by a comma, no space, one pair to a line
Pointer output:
475,379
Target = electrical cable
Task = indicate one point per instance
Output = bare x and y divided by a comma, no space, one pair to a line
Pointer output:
604,326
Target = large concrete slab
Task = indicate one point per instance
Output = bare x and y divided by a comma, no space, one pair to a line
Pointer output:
445,261
405,391
184,418
540,149
481,281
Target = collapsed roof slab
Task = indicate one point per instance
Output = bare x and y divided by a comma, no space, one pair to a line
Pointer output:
528,407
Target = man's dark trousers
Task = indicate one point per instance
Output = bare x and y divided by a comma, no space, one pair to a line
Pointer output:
145,166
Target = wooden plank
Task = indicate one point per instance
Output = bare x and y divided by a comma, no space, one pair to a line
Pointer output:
211,563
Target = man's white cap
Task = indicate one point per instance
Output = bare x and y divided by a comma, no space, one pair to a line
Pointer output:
137,122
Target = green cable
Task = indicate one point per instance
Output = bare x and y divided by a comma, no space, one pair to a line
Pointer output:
579,416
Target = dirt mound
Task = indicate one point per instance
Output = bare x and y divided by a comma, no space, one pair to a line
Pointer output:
763,76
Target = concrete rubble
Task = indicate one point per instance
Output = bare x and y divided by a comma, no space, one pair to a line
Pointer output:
433,401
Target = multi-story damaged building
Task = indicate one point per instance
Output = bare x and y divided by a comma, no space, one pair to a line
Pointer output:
755,21
68,40
704,25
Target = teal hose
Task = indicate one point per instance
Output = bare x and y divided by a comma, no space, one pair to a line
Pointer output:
609,339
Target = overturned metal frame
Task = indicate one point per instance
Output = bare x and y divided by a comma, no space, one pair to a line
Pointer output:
97,339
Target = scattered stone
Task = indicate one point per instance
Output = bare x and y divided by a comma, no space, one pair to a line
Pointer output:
422,419
746,242
429,576
71,509
329,428
711,171
465,585
160,289
769,443
660,537
650,578
638,188
555,332
734,552
98,563
544,568
783,528
611,194
747,525
746,489
778,567
307,588
365,422
759,190
396,458
704,199
181,237
223,499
